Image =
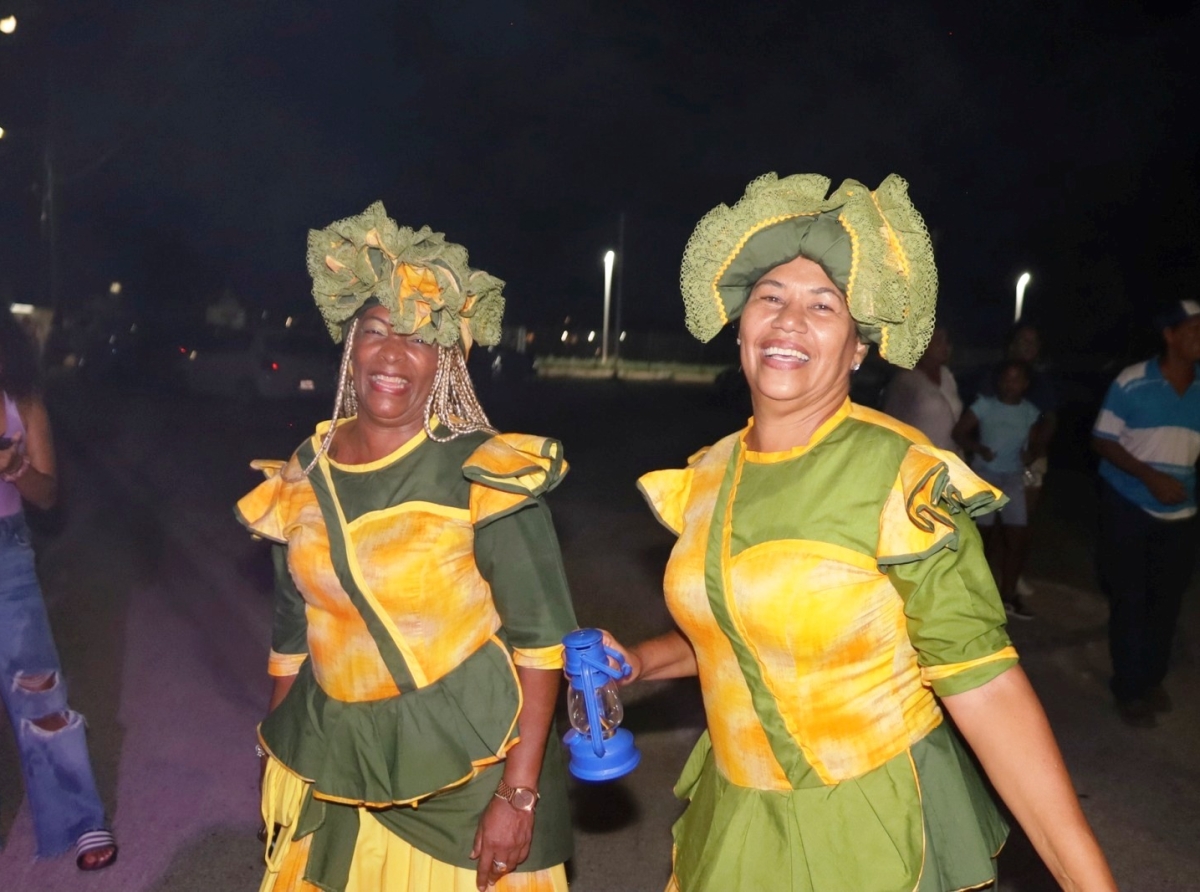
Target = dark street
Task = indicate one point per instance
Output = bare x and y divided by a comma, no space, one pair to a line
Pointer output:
160,604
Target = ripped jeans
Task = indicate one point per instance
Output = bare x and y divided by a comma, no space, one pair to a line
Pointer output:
54,763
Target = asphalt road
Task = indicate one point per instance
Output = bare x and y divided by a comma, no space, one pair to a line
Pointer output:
160,604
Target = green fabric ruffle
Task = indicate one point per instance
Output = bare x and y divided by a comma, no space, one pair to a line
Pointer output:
401,749
890,830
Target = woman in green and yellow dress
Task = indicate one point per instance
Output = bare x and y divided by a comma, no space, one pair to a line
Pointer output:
830,589
420,598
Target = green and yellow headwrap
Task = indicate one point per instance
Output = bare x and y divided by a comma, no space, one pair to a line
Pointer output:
422,279
873,245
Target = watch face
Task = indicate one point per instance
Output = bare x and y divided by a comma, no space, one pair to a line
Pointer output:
524,799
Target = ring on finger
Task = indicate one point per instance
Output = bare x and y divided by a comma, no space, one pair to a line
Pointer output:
499,865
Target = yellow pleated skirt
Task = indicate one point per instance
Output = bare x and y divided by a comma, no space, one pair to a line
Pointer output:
383,862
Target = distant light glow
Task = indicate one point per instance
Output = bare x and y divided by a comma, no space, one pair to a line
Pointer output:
1022,283
8,25
564,336
114,288
1,133
287,323
21,309
191,355
622,338
591,336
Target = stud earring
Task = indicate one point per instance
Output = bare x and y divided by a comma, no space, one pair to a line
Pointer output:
854,368
739,342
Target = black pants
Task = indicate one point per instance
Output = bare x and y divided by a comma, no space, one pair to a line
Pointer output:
1145,565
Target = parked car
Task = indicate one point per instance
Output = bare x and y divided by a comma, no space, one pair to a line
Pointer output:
268,364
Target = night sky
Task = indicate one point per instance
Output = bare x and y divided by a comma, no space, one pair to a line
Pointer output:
196,142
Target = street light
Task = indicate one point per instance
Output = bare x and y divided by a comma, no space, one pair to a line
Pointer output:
1,133
609,257
8,25
1021,283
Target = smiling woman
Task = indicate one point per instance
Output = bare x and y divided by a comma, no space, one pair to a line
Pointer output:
830,588
420,598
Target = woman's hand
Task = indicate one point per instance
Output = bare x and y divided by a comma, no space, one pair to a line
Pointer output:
629,656
668,656
501,842
11,458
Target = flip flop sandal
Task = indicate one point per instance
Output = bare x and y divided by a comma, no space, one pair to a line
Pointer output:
92,841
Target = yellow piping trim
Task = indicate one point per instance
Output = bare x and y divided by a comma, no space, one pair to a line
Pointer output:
921,802
854,255
509,742
827,426
737,249
410,658
407,507
388,459
825,550
735,617
893,239
937,673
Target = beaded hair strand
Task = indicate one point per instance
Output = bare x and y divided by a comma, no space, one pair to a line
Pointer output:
344,398
452,398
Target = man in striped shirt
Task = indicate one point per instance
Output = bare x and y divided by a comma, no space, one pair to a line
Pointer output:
1148,438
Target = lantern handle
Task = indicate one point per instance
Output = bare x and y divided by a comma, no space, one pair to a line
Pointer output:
591,706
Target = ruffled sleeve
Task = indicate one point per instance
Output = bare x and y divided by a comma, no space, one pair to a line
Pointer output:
260,510
667,492
511,470
932,552
516,548
931,488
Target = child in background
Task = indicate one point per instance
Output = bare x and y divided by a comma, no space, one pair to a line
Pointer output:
1001,433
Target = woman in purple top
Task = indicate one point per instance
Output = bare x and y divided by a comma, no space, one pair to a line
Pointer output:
50,737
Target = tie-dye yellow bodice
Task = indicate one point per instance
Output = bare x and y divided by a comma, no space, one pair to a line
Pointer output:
781,579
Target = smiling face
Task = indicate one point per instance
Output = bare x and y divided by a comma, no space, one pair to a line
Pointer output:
392,373
799,342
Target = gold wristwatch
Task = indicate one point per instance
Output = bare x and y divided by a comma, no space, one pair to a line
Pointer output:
520,798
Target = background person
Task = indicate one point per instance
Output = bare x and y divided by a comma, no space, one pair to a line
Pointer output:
420,598
830,587
926,396
1001,433
51,737
1148,438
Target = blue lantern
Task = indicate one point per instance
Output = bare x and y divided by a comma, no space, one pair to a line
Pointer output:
600,750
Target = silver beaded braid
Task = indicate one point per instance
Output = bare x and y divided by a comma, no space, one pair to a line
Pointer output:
452,398
344,399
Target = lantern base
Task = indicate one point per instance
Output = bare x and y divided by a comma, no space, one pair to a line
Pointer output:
620,756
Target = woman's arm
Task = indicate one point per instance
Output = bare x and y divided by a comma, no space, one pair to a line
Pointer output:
1005,725
505,832
670,655
36,482
966,435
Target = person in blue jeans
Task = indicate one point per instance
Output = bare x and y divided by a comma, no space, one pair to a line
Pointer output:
50,737
1002,434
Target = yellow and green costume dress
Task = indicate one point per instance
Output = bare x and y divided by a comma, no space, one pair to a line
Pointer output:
830,592
408,590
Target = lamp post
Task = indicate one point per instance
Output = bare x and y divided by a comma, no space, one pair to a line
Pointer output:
1022,282
609,257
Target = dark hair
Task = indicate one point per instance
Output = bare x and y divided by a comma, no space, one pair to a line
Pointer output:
1025,368
18,363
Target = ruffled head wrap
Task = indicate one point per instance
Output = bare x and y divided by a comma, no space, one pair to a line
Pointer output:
422,279
872,245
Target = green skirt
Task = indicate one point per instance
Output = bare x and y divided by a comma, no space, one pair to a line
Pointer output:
922,822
